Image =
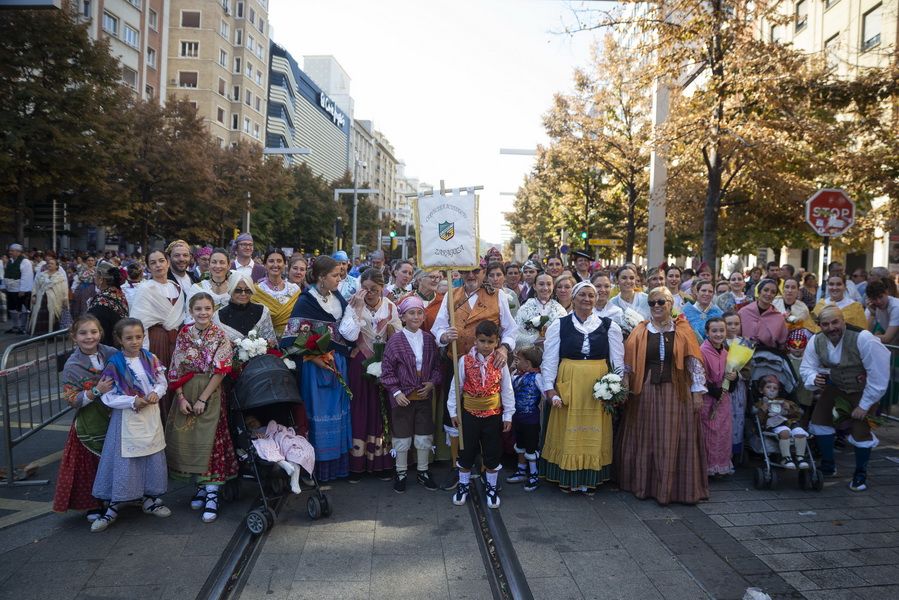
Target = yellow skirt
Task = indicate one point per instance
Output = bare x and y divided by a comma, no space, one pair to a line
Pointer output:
579,433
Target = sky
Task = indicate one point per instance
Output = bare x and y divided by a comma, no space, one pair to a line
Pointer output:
448,82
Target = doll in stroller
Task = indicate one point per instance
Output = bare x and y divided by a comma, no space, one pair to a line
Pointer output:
273,456
777,434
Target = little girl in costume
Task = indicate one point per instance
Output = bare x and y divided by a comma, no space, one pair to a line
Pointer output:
279,444
780,417
738,391
132,465
82,387
715,414
528,386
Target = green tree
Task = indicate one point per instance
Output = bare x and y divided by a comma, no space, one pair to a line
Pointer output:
61,97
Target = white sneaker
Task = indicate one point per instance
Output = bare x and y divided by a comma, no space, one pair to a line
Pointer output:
461,495
492,497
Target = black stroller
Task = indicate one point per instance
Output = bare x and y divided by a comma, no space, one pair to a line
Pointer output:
268,388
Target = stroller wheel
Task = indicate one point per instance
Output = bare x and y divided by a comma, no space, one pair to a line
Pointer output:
257,522
314,508
326,506
818,481
771,482
758,478
270,516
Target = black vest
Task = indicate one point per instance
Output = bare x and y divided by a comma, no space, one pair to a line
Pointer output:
571,340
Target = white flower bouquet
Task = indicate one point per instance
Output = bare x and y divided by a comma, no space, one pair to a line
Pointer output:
611,391
536,323
374,370
250,347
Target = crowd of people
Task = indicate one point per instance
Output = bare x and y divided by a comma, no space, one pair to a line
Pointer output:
512,371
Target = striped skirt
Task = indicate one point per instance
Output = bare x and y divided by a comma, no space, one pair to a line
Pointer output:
659,451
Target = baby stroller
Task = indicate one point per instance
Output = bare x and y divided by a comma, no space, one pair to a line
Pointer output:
268,388
764,363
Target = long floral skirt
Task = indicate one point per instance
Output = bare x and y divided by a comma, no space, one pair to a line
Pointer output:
659,452
75,480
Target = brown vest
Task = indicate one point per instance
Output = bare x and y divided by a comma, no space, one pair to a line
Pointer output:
467,318
849,374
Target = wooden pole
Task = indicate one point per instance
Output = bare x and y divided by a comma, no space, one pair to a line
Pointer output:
451,307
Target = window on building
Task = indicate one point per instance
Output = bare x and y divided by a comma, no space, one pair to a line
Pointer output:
223,58
153,18
251,42
246,124
249,69
235,93
239,11
237,64
831,56
190,49
256,130
190,18
220,115
260,51
130,36
238,37
135,3
829,3
221,141
86,9
259,77
258,104
252,16
226,4
129,77
110,24
261,25
235,121
151,57
222,86
775,34
248,99
151,93
225,30
801,15
871,28
187,79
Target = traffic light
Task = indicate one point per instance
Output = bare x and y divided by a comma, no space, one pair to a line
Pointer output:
583,235
393,234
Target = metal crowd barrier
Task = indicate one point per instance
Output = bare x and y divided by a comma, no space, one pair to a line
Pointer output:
889,404
31,392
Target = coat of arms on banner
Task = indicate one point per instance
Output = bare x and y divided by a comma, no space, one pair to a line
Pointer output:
446,230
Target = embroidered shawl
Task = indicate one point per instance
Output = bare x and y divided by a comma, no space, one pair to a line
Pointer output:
207,351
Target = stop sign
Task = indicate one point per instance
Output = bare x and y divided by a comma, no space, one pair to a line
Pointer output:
830,212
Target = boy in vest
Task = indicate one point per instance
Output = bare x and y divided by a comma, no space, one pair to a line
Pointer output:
488,403
849,364
528,386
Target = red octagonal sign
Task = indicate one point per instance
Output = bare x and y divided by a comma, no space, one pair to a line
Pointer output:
830,212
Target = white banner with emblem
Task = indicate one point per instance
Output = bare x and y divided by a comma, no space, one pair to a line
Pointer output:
447,230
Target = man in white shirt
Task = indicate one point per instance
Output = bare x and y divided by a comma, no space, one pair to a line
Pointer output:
179,265
18,277
850,365
243,262
883,313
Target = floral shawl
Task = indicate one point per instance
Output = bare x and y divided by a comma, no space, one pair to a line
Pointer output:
527,334
85,276
125,380
79,376
112,298
207,351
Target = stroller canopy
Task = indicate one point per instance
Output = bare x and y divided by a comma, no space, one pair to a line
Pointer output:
265,380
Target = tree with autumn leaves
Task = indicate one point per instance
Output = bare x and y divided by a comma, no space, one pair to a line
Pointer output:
72,131
754,126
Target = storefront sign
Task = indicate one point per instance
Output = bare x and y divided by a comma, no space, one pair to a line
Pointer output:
329,107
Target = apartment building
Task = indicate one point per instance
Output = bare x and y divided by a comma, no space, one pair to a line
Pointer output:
137,37
218,52
302,115
376,153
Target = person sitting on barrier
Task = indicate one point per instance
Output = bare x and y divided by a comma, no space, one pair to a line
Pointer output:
780,417
410,371
132,464
82,387
849,365
488,403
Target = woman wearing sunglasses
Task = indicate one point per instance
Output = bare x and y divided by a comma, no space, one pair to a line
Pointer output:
240,316
659,450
